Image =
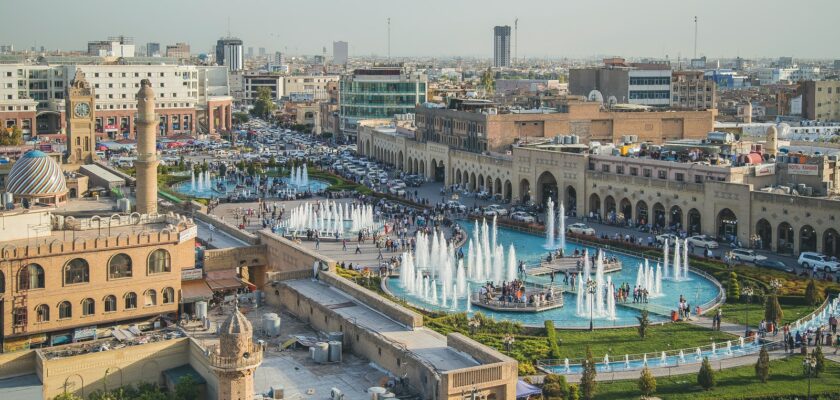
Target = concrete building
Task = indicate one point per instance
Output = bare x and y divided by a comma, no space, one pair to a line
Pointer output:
821,100
302,87
340,53
528,86
254,82
650,84
230,54
178,50
690,91
120,46
501,46
620,82
378,92
153,49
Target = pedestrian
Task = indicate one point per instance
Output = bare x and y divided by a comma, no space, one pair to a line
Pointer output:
317,242
358,249
344,244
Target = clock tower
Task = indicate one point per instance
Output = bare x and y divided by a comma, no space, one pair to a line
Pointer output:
81,135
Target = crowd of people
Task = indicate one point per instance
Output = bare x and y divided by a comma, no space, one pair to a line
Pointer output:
515,292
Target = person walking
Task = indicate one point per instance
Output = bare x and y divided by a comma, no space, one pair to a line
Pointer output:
344,244
358,249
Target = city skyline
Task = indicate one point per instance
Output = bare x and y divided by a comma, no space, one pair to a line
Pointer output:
465,29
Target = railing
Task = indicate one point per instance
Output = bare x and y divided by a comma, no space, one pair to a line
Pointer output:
255,357
524,305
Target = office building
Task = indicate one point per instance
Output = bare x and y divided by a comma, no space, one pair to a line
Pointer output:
340,53
690,91
821,100
378,92
250,53
230,54
254,82
262,52
119,46
501,46
153,49
178,50
620,82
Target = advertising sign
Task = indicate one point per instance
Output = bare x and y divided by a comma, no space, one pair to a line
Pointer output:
804,169
191,274
88,332
765,169
187,234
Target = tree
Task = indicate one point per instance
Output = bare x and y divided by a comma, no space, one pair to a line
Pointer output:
264,105
11,136
67,396
706,376
488,81
551,334
644,322
812,294
240,118
734,292
588,386
555,386
647,382
187,388
574,392
762,366
819,357
772,309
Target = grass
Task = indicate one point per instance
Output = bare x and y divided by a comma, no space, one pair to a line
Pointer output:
734,313
786,381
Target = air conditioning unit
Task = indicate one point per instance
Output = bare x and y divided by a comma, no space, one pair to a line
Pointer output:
336,394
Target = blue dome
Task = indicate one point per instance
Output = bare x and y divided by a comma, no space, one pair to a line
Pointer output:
36,174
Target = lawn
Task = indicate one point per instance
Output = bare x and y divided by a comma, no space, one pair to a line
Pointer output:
786,379
734,313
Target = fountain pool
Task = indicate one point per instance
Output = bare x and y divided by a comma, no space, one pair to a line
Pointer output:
209,187
530,248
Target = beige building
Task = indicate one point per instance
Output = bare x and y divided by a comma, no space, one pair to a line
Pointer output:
690,91
821,100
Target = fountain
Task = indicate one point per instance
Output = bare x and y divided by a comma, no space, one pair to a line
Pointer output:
741,343
549,224
676,267
644,359
626,361
663,359
566,364
601,304
454,305
561,217
469,303
699,354
729,347
682,356
714,349
665,249
606,362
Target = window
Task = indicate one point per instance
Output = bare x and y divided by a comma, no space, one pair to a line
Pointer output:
130,301
634,171
65,310
42,313
646,172
110,303
31,277
150,298
698,178
605,167
88,307
2,282
19,316
168,295
119,266
680,177
663,174
619,169
159,262
76,271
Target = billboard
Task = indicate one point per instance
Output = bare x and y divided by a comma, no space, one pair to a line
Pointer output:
804,169
765,169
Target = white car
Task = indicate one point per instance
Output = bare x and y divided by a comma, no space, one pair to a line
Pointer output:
499,210
747,255
809,259
672,239
703,241
581,229
522,216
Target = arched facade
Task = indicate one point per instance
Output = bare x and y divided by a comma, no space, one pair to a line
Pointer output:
764,232
546,187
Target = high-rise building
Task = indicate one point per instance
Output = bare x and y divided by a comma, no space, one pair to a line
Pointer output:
152,49
250,52
229,53
501,46
178,50
821,100
340,52
262,51
691,91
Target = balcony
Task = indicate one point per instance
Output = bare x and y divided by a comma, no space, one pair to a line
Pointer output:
255,357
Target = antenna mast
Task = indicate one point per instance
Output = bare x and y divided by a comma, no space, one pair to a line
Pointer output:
389,38
515,40
695,36
228,30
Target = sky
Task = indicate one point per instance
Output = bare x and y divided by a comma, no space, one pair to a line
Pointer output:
442,28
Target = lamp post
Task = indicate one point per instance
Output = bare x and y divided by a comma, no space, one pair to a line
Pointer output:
591,288
747,292
810,363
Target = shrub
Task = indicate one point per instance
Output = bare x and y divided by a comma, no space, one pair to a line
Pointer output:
820,361
647,382
526,368
555,386
812,294
772,309
643,323
574,392
734,292
762,366
588,386
706,376
551,334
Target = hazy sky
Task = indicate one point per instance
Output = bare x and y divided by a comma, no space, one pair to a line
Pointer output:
555,28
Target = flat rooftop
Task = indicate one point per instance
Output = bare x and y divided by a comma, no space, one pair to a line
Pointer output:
425,343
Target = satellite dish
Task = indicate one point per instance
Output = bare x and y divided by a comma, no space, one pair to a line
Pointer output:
611,101
596,96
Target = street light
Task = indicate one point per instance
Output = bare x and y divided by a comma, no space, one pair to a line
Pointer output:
810,363
591,287
747,292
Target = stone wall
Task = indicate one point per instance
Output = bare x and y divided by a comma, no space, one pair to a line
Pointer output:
393,310
17,363
226,228
497,375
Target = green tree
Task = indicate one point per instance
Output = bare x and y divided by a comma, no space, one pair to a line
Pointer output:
186,388
772,309
812,294
555,386
706,376
551,335
588,386
263,105
734,292
574,392
819,357
647,382
488,81
762,366
11,136
67,396
644,322
240,118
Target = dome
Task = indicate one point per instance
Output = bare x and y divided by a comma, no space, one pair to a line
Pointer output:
236,324
35,174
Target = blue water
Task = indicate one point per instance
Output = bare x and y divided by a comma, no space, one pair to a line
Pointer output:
696,290
231,188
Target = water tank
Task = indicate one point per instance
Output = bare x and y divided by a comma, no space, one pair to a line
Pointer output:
335,336
575,139
388,395
320,352
335,351
271,324
567,140
8,199
200,309
124,205
377,392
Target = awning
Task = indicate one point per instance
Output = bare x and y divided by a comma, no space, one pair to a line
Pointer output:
525,390
195,290
224,283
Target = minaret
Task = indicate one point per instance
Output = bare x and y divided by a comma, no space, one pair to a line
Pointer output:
772,141
236,358
147,162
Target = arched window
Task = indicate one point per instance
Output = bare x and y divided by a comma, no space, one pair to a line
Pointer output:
119,266
150,298
159,261
31,277
88,306
76,271
168,295
130,301
2,282
43,313
110,303
65,310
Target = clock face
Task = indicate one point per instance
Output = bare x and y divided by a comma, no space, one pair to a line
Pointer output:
82,110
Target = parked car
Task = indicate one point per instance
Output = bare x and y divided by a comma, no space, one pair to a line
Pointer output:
672,239
581,229
703,241
809,259
452,204
747,255
773,264
522,216
499,210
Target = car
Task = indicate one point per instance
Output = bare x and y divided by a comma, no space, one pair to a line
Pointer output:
774,264
499,210
747,255
452,204
670,237
580,229
522,216
703,241
808,260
